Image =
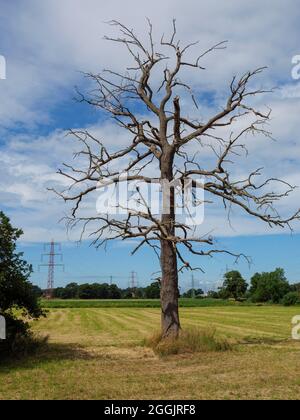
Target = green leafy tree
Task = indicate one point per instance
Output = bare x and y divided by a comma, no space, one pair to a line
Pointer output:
127,293
152,291
114,292
193,293
58,293
291,298
269,287
70,291
295,287
213,294
15,289
234,286
86,291
100,291
37,291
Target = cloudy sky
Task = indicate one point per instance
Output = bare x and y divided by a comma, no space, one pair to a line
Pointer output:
48,44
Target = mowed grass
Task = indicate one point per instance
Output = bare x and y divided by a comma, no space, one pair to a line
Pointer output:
131,303
97,353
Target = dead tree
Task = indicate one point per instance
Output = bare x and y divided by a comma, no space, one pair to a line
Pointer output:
159,137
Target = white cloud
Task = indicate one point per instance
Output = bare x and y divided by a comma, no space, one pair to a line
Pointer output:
47,43
29,165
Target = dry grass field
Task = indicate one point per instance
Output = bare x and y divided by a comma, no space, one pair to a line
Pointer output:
97,353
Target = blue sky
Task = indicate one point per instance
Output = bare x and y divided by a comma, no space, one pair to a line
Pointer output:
47,44
83,262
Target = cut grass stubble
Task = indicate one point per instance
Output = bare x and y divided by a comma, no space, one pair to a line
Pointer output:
96,353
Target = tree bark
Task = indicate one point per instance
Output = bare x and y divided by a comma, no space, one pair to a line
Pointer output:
170,324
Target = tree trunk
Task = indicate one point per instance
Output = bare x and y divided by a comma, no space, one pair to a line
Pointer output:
170,324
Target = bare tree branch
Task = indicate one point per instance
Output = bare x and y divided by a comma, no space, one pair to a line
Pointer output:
158,136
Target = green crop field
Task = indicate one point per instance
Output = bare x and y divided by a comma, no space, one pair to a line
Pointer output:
132,303
97,353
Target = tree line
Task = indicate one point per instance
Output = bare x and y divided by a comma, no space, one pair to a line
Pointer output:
106,291
266,287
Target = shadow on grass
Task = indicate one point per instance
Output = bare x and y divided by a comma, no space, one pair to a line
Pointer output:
49,352
263,341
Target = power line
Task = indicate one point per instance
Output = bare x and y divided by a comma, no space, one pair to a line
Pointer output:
133,283
193,286
51,264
